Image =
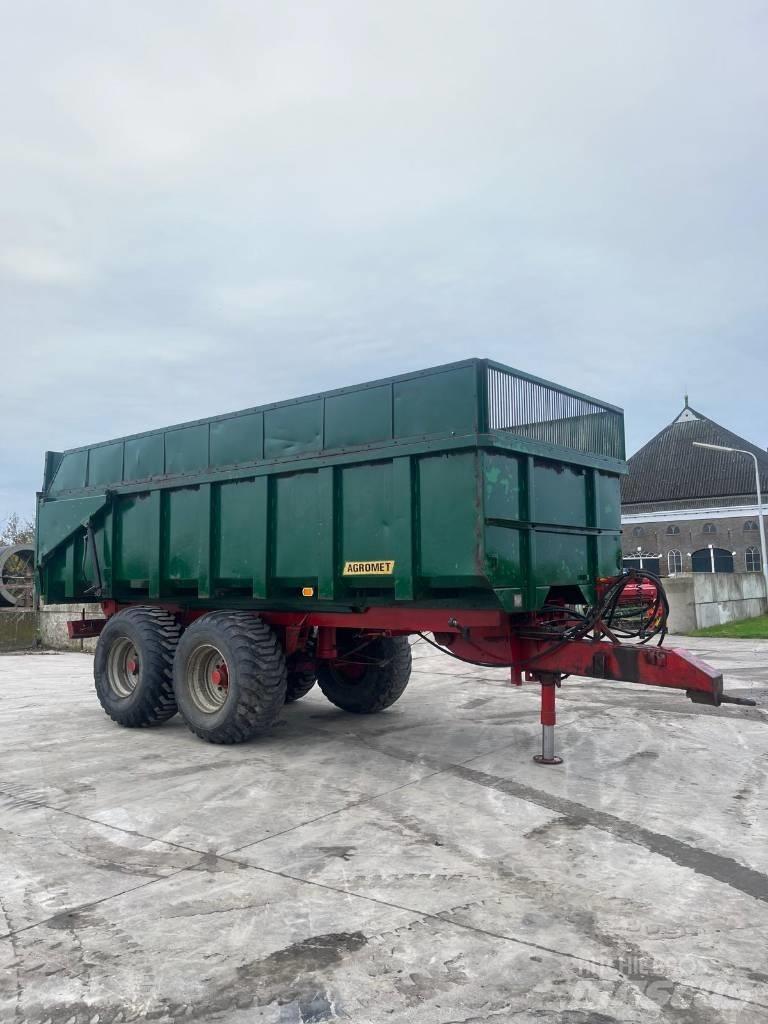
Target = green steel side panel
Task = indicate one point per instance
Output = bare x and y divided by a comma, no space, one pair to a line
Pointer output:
105,464
61,572
359,417
71,472
144,457
503,558
181,535
449,518
236,517
293,429
366,518
134,527
608,494
438,403
239,439
560,559
240,535
73,575
58,520
560,494
53,576
440,472
503,486
608,554
296,539
186,450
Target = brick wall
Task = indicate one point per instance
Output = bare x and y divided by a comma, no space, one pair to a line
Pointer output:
729,534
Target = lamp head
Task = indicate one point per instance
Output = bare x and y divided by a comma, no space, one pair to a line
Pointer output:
714,447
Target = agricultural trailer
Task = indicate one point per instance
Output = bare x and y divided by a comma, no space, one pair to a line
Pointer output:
241,559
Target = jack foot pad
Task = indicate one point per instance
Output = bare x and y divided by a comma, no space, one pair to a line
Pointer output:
540,759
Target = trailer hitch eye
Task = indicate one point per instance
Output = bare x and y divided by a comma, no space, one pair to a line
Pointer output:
746,702
715,700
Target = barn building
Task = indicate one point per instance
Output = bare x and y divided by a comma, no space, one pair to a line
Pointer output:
688,509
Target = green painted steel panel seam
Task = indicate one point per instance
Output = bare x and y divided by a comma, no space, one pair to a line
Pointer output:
405,504
591,489
204,582
263,545
481,395
521,524
528,537
69,569
155,498
480,515
327,534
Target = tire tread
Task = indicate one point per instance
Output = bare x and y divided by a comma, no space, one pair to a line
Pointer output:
381,686
160,633
261,677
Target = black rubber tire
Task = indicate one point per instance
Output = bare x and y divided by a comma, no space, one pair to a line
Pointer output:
382,683
256,671
154,634
302,674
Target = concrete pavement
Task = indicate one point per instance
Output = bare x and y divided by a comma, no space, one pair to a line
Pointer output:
411,866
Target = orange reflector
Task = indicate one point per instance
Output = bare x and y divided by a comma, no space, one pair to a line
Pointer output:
307,591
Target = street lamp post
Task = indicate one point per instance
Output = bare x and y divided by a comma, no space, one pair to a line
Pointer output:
742,451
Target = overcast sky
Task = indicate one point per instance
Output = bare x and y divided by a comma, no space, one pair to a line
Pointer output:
210,205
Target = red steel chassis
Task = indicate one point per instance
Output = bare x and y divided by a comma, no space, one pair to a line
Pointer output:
490,638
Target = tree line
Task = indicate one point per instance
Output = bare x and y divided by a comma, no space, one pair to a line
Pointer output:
17,530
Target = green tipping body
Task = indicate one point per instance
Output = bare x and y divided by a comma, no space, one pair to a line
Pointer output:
470,484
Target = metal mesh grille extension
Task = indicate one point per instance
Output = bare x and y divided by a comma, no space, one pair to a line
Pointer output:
546,413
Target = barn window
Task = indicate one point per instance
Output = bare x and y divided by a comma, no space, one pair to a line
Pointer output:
712,559
709,528
673,530
752,558
674,561
750,525
638,531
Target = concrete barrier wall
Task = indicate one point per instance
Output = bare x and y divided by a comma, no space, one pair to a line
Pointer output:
18,629
28,629
52,626
710,599
682,608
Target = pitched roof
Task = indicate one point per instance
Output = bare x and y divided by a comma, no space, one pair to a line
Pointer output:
669,468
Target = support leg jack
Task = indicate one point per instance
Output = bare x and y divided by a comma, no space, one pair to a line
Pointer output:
547,755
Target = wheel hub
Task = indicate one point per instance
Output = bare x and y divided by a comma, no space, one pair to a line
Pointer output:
208,679
123,667
219,675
